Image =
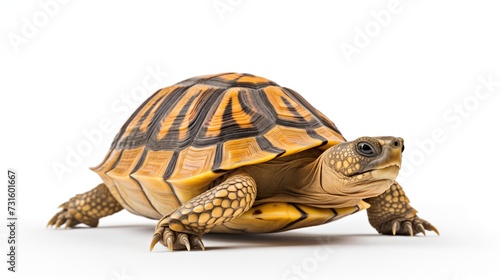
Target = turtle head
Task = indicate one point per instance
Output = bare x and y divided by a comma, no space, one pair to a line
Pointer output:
362,168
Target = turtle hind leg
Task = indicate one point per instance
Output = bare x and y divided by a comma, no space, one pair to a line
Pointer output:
391,213
184,227
86,208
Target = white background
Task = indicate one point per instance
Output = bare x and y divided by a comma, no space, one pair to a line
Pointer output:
80,61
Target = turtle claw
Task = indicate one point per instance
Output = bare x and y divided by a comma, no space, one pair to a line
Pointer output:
431,227
395,227
68,223
195,240
155,240
407,226
51,222
59,223
184,240
175,240
422,225
420,228
170,244
62,218
54,219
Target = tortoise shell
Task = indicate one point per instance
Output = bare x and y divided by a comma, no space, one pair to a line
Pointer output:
185,136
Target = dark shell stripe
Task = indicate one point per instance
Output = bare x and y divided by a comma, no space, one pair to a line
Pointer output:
236,115
227,80
303,216
187,134
317,114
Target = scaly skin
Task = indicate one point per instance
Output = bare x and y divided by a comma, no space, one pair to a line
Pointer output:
226,201
391,213
86,208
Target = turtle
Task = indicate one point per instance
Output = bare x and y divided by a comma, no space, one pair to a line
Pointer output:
237,153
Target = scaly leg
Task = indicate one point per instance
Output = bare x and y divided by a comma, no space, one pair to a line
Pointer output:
86,208
391,213
226,201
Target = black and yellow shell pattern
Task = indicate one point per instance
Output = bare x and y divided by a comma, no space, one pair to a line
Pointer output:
186,135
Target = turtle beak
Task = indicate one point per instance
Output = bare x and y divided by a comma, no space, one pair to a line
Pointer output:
393,147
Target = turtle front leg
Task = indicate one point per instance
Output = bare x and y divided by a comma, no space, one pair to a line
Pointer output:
86,208
226,201
391,213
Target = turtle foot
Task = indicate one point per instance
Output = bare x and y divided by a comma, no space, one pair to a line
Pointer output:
63,217
86,208
407,226
174,240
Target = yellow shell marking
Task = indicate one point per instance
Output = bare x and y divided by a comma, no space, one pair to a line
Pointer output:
281,216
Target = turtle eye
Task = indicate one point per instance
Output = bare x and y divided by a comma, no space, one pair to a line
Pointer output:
365,149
